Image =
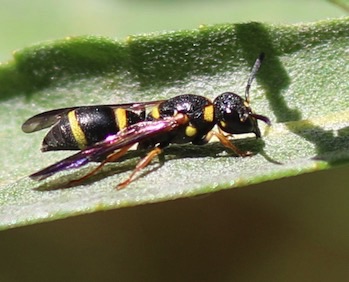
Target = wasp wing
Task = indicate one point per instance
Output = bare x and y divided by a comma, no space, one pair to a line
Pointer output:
131,135
49,118
44,120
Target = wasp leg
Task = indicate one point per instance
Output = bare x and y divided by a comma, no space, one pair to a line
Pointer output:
111,158
141,164
224,133
225,141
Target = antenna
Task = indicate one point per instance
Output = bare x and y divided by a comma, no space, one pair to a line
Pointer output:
254,71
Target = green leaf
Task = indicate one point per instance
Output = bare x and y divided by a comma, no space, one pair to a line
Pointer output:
344,4
302,86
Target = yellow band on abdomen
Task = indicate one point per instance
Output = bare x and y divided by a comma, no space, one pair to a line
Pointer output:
121,118
155,113
76,130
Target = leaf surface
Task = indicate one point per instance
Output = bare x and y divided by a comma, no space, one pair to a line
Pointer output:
302,87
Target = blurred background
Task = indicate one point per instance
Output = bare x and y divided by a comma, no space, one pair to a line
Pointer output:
293,229
23,23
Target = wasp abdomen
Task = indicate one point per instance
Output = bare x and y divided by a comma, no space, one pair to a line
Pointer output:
86,126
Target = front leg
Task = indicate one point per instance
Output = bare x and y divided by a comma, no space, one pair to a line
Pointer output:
224,141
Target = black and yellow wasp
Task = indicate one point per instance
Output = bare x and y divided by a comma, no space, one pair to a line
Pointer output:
104,133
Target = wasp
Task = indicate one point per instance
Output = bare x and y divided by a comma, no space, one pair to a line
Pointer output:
104,133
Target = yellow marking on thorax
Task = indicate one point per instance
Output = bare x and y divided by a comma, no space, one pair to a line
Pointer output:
76,130
223,124
209,113
190,131
121,118
155,113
